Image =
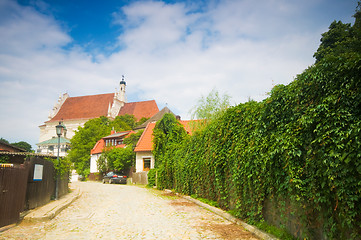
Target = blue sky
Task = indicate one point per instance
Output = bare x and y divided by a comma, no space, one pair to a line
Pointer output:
171,51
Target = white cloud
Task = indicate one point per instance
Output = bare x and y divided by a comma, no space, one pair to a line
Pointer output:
23,30
173,53
226,48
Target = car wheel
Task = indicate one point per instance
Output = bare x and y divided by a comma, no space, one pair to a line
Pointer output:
110,181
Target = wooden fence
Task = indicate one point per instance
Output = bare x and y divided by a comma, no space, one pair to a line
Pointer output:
40,192
140,178
13,182
27,186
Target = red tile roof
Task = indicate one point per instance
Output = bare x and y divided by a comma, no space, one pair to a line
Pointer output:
140,109
145,142
85,107
187,124
100,145
94,106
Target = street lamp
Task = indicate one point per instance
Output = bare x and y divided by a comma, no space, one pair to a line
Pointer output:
60,128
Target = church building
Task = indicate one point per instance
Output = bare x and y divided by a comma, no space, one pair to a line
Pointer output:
73,112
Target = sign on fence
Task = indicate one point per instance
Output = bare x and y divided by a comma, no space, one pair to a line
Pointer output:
38,172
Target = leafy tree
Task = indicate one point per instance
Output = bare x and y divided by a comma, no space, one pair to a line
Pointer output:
4,140
84,140
24,145
102,164
142,120
338,32
167,131
119,159
86,137
133,138
168,134
341,38
357,16
125,121
209,108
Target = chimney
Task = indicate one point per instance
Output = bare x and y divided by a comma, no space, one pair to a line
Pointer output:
112,131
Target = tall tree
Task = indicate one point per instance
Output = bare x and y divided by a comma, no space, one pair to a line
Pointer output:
167,131
341,38
4,140
24,145
210,106
120,159
168,134
124,122
86,137
84,140
208,109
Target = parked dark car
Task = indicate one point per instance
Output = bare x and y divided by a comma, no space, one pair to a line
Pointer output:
115,177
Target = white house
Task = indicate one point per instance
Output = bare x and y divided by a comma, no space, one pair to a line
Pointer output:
114,140
144,159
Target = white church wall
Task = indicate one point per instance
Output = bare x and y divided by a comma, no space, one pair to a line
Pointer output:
48,131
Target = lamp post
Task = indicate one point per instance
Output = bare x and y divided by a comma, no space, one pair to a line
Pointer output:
59,130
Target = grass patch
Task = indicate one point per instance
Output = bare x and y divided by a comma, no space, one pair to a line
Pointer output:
275,231
160,193
206,201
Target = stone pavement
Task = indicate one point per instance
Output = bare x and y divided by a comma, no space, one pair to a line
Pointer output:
127,212
50,210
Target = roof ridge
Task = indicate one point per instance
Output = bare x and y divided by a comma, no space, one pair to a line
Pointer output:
98,142
92,95
143,135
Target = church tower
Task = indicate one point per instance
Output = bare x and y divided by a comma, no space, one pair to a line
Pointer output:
121,93
119,100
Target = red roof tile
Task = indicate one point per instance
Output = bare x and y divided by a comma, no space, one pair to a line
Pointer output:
85,107
140,109
145,142
100,145
187,125
94,106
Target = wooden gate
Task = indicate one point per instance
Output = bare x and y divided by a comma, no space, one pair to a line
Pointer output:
13,184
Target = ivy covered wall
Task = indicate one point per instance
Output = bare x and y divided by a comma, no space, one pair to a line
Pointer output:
299,149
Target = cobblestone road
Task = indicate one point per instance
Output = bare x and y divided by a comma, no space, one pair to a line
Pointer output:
107,211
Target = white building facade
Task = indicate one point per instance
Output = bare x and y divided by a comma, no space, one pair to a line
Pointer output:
74,112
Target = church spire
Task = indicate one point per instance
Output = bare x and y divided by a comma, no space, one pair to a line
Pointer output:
123,82
122,96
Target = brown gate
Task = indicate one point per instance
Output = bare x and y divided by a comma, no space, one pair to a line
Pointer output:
13,184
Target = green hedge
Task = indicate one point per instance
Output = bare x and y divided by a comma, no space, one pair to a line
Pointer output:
301,143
